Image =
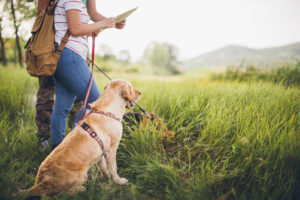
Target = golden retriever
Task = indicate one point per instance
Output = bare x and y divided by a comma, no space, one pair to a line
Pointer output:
66,167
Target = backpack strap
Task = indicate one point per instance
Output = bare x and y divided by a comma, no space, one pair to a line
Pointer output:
63,42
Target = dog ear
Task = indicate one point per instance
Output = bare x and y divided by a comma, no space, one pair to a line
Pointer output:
125,94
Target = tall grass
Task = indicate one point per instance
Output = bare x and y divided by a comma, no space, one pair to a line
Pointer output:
287,75
232,141
17,130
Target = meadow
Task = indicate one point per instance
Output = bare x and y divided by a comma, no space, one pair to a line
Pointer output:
233,140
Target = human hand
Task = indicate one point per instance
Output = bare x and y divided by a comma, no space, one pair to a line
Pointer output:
121,24
97,32
109,22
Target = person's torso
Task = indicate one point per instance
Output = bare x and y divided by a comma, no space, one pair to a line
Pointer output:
78,44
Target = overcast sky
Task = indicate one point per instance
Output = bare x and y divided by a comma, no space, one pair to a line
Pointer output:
199,26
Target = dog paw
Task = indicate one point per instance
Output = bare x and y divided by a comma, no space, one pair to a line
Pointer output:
121,181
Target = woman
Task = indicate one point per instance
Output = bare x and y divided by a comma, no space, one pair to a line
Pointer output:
72,74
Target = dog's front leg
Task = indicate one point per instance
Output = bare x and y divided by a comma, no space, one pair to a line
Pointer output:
112,167
103,167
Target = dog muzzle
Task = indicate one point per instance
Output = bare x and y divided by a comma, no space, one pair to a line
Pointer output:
130,105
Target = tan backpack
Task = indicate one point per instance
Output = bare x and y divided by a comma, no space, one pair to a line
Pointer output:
40,55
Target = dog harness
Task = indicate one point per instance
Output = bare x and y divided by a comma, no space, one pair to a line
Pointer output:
92,133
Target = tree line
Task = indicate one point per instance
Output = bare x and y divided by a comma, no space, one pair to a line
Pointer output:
162,57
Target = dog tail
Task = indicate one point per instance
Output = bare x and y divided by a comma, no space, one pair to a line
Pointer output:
36,190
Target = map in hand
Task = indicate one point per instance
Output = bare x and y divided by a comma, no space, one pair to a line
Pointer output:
124,15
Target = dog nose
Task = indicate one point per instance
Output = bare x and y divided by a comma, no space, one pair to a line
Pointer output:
140,93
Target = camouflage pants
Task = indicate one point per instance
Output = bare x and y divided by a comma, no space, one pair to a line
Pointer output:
44,105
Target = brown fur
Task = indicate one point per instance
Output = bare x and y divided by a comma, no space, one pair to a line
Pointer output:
66,167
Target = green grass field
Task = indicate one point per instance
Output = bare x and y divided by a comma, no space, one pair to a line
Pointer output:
234,140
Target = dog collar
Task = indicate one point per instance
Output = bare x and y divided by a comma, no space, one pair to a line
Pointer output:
93,134
106,114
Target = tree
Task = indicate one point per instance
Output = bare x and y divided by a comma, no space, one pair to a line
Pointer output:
16,26
3,55
162,57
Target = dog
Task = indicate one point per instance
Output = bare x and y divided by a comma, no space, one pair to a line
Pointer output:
65,169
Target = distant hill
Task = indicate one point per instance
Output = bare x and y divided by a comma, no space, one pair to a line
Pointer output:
234,55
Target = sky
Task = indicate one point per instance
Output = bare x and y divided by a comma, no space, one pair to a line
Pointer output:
200,26
196,26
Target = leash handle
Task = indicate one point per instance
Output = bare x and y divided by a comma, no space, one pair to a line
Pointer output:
87,94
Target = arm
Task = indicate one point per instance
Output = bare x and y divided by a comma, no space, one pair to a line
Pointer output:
91,8
42,4
95,16
78,29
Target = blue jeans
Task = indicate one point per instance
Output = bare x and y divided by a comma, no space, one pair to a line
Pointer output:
71,79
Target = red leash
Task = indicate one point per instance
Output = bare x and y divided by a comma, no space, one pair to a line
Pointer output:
87,94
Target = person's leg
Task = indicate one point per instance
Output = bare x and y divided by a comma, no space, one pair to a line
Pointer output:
63,103
94,95
44,108
78,79
77,104
72,78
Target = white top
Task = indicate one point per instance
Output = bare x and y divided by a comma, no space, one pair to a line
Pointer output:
78,44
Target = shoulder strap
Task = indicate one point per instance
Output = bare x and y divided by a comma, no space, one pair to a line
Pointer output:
64,41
